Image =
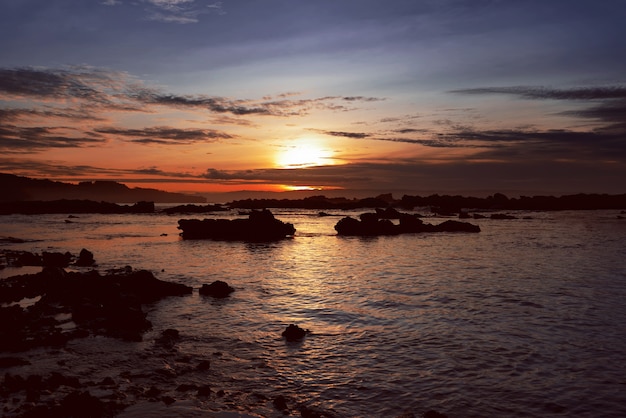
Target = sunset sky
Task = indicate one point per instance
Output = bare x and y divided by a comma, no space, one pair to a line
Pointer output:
403,96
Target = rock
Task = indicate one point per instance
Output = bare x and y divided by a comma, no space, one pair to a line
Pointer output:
8,362
280,403
108,305
56,259
81,404
456,226
294,333
28,259
168,338
204,365
217,289
433,414
186,387
85,258
260,226
371,225
204,390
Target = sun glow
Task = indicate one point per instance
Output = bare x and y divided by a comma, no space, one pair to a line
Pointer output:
302,154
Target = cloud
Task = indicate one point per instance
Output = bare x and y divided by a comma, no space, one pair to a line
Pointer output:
357,135
181,11
607,104
16,139
112,90
582,93
167,135
35,101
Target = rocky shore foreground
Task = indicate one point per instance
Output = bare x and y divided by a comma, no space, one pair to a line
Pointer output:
50,320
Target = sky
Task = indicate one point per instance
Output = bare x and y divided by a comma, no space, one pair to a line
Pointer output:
336,96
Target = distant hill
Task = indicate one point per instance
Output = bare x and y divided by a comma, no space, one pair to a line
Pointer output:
16,188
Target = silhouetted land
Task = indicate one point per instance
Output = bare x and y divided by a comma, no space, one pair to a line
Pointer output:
16,188
72,206
445,203
30,196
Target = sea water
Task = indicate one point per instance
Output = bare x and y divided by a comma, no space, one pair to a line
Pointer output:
525,319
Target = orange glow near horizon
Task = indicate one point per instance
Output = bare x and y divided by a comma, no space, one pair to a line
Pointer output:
200,188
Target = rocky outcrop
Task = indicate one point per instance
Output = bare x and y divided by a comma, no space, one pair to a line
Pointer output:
217,289
371,224
260,226
67,305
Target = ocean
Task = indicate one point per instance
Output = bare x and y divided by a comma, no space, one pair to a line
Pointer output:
525,319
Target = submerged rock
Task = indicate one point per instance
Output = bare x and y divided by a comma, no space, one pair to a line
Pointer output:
217,289
294,333
260,226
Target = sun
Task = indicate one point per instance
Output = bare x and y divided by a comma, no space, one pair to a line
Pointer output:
303,153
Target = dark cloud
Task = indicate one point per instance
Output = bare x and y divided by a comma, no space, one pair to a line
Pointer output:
16,139
167,135
582,93
411,130
607,105
109,90
362,99
357,135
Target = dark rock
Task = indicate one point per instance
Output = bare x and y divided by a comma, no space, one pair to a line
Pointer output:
28,259
280,403
168,338
260,226
153,392
7,362
56,380
107,381
294,333
456,226
168,400
314,412
371,225
388,213
205,390
433,414
217,289
204,365
85,258
81,404
186,387
108,305
56,259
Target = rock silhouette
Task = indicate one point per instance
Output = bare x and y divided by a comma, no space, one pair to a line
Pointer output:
217,289
294,333
108,305
259,227
371,224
